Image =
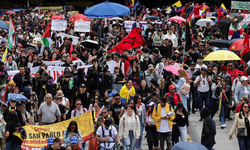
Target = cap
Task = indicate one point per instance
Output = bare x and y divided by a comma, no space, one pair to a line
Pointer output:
146,57
139,51
39,55
49,77
74,139
192,63
155,94
56,97
240,73
112,94
171,87
13,99
82,85
176,51
60,93
203,69
187,54
243,78
224,68
155,50
50,141
180,105
45,74
82,34
150,66
151,104
170,98
26,90
24,56
3,41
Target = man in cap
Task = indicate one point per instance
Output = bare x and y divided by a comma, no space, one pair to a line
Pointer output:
40,47
83,95
75,144
25,42
150,74
57,143
155,98
158,38
156,58
172,92
39,60
237,82
50,142
224,74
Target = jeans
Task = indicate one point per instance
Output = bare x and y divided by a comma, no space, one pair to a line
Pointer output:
209,147
165,137
193,96
117,128
102,148
130,140
152,137
10,146
244,143
204,96
183,131
214,106
117,87
223,111
138,143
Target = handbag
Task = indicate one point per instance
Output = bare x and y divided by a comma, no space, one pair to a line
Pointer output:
241,132
185,89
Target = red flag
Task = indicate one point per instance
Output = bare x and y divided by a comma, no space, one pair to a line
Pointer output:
220,13
132,40
245,46
4,94
195,12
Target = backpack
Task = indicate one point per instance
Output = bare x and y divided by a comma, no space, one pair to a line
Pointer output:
83,109
110,135
20,133
185,89
157,107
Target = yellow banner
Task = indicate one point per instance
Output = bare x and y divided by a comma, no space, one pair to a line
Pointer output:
73,12
37,136
52,8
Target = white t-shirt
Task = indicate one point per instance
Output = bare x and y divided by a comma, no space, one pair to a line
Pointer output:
106,135
130,123
203,85
200,66
64,101
164,126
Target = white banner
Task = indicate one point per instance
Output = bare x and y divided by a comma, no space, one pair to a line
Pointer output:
111,65
59,25
82,26
74,38
59,63
128,25
245,21
32,72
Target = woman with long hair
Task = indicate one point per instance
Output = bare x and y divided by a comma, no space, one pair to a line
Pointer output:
127,92
135,76
72,130
97,112
182,79
143,89
242,124
13,52
224,93
107,99
23,61
53,56
152,134
29,61
46,55
119,79
96,99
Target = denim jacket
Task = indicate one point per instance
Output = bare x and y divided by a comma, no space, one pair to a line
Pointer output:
240,91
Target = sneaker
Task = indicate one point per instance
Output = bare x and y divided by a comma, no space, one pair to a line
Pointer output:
193,111
222,126
200,119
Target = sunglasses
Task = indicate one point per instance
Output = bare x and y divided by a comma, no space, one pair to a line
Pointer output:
230,66
219,79
117,99
203,82
139,98
115,57
131,103
116,68
246,107
78,104
73,127
13,101
104,112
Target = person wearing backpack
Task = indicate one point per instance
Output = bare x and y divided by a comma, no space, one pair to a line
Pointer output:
129,128
79,110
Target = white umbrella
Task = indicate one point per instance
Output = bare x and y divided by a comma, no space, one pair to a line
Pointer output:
203,22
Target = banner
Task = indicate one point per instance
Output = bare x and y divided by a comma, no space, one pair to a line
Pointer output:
59,63
37,136
32,73
59,25
82,26
74,38
128,25
240,5
245,21
208,14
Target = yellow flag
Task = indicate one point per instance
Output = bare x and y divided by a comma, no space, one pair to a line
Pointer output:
177,4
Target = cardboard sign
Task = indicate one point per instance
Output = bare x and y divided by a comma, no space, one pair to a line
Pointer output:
82,26
59,25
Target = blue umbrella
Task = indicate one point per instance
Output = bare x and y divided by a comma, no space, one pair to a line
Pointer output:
188,146
3,25
18,97
107,9
16,10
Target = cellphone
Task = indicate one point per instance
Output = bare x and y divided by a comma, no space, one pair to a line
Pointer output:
74,134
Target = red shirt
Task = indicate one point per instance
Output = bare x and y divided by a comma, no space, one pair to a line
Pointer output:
223,93
233,74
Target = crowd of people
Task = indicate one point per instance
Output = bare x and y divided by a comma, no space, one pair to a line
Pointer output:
139,96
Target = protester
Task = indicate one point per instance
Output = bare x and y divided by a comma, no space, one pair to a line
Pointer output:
127,92
79,110
243,90
71,131
56,144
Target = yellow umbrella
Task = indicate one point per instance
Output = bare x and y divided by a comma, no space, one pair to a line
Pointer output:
221,55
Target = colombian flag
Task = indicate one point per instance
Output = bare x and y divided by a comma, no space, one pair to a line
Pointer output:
223,8
203,11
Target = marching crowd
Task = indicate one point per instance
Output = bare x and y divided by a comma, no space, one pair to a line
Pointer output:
140,94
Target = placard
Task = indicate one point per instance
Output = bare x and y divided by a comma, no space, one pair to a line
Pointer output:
58,25
240,5
82,26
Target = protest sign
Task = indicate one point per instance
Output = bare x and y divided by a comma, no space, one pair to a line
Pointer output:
74,38
59,63
82,26
240,5
245,21
128,25
32,72
208,14
111,65
37,136
58,25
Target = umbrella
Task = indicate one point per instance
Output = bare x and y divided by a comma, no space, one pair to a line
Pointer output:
203,22
78,17
151,18
174,69
16,10
237,15
206,7
18,97
233,40
107,9
57,18
11,12
3,25
220,43
221,55
178,19
188,146
90,44
237,45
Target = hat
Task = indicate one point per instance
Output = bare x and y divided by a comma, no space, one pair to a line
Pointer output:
155,94
49,77
150,66
50,141
3,41
224,68
20,45
155,50
146,57
203,69
60,93
12,83
240,73
171,87
117,66
159,30
180,105
200,57
151,104
24,56
45,74
39,55
192,63
176,51
170,98
243,78
74,139
201,44
112,94
26,90
82,34
13,99
82,85
235,20
187,54
139,51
